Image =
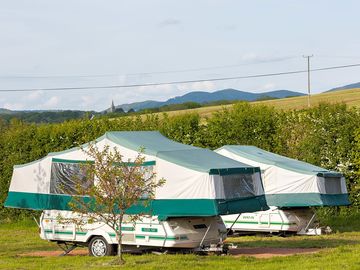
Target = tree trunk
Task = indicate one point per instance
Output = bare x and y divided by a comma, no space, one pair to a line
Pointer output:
119,234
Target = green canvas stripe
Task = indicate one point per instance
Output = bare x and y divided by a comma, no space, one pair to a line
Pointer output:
60,160
229,171
164,208
329,174
307,199
261,223
65,232
155,237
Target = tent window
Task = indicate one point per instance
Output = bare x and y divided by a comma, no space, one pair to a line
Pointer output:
147,172
332,185
65,177
238,186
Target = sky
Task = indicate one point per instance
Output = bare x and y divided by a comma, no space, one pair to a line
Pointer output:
81,43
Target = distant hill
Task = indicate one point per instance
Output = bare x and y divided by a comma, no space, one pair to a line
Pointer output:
5,111
44,116
345,87
204,97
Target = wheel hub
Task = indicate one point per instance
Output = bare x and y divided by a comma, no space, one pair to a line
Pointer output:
98,248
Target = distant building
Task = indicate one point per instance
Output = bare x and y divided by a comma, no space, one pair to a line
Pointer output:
112,108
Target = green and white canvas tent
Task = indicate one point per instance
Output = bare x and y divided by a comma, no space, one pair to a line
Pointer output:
291,183
199,182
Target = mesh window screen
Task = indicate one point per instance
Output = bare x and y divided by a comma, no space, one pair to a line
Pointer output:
66,176
332,185
238,186
147,172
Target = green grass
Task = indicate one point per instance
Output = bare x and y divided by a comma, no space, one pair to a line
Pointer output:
340,250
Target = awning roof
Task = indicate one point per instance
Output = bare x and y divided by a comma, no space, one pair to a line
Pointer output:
195,158
262,156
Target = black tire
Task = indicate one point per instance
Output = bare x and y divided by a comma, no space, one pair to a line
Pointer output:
99,247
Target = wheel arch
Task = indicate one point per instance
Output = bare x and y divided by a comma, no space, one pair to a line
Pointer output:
101,233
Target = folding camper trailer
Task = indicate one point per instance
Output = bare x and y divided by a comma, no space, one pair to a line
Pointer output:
200,185
291,188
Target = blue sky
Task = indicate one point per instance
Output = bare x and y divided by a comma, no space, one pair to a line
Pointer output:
46,44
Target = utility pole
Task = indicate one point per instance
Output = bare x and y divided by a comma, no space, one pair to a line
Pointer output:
308,64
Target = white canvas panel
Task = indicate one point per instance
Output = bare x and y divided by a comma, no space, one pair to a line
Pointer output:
241,159
277,180
76,154
218,186
343,185
291,182
33,177
183,183
79,154
269,178
258,186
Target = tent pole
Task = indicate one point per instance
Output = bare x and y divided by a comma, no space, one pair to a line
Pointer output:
202,240
229,230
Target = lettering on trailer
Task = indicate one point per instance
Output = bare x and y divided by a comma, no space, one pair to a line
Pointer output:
248,217
149,230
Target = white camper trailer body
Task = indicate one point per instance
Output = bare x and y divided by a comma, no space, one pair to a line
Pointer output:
200,186
184,233
300,221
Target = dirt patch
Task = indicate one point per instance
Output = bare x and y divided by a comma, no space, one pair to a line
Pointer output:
261,253
268,252
55,253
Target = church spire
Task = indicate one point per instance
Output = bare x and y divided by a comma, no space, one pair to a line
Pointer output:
112,109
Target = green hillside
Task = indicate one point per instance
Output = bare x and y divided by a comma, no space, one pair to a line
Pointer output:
349,97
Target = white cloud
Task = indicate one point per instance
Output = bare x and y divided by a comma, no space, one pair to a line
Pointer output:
14,106
34,95
142,93
268,86
88,101
197,86
52,102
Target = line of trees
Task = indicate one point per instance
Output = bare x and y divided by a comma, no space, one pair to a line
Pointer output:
327,135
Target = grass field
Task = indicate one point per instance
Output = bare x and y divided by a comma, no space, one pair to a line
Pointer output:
350,97
340,250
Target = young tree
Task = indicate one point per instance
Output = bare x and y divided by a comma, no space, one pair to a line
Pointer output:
117,186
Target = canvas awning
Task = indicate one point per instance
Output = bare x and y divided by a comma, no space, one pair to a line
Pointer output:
199,182
291,183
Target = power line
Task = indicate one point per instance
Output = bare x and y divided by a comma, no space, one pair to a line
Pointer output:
145,73
178,82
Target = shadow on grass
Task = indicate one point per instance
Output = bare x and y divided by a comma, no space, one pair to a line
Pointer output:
292,242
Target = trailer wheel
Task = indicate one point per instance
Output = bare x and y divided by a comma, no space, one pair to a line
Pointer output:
98,247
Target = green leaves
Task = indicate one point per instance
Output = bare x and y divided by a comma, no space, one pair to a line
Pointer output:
242,124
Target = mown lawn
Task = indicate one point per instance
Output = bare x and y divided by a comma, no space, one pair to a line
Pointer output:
340,250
